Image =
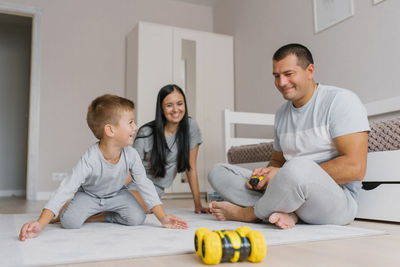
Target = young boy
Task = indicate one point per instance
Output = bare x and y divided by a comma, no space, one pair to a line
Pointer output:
97,181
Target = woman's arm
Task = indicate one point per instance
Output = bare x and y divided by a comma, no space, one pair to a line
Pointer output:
194,181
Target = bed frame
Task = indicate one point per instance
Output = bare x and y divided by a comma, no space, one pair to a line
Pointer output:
248,118
380,197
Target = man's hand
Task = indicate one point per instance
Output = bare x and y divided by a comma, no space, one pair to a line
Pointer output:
268,174
171,221
30,230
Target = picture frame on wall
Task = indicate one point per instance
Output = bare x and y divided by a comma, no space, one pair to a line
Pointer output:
330,12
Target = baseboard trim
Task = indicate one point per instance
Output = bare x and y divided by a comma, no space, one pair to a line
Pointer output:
12,193
43,195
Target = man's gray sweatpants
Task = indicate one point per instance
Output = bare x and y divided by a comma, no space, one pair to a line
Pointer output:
300,186
122,208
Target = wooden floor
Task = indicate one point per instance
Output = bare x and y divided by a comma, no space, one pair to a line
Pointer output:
383,250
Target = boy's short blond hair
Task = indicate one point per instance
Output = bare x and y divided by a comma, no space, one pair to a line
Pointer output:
106,109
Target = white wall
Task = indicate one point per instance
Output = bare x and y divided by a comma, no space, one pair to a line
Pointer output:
15,42
361,53
83,56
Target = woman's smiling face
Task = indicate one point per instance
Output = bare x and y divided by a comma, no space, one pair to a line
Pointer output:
173,107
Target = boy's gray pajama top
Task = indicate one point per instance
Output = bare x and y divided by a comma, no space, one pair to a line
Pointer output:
97,185
305,137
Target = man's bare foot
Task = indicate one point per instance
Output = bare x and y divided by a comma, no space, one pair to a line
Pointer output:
283,220
98,217
226,211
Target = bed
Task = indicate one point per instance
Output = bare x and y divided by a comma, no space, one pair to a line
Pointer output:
380,195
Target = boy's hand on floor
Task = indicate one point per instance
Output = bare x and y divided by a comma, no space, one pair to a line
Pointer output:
30,230
171,221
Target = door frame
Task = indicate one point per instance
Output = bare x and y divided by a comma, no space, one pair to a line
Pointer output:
34,99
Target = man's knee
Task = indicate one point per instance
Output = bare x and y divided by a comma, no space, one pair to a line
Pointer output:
215,173
296,170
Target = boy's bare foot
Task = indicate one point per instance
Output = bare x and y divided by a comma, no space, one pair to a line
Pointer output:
283,220
98,217
226,211
57,219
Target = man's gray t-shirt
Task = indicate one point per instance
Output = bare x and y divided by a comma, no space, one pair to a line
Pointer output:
309,131
99,178
144,144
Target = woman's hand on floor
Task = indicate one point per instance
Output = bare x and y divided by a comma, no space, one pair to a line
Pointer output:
201,209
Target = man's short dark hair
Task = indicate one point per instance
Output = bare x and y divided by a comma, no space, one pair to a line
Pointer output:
304,57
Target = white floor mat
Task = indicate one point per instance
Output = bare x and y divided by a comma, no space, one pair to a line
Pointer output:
103,241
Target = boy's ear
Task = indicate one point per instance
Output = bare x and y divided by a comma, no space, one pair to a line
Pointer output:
108,130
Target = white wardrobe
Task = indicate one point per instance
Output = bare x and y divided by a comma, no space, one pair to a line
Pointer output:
201,63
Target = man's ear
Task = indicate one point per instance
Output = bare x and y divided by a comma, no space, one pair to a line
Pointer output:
310,70
108,130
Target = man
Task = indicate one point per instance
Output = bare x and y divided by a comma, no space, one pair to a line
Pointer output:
319,157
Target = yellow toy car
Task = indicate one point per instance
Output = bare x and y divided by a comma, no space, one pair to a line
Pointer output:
254,180
230,245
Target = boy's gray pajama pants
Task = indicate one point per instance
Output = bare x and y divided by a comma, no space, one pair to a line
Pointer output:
122,208
300,186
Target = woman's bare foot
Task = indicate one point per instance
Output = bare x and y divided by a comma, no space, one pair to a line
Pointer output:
226,211
283,220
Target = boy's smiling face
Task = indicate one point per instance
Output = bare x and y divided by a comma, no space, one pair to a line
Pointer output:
126,129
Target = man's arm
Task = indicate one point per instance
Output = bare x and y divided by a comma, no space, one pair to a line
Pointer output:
277,159
351,163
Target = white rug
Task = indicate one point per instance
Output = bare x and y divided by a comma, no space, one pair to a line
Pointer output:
103,241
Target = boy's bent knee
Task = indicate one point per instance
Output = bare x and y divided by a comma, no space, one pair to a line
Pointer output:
138,219
70,223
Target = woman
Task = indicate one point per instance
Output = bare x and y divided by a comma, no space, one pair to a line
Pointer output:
170,144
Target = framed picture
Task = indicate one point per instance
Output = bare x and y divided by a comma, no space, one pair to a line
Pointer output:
330,12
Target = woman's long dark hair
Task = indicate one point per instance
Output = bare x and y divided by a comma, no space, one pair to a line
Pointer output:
160,148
